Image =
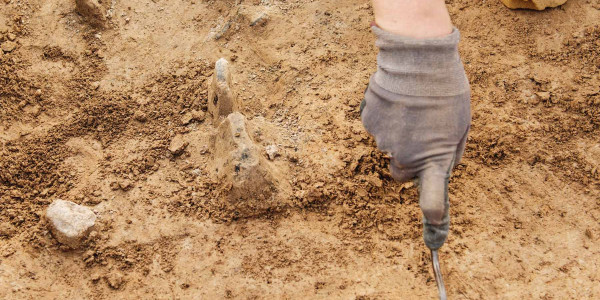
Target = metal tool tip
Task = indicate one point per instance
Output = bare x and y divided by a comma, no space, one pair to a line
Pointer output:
437,271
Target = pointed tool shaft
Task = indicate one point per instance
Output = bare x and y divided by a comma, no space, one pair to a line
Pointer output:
438,274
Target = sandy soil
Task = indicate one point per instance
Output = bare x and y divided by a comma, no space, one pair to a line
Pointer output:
83,110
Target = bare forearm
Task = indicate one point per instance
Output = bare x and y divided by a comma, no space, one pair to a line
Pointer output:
413,18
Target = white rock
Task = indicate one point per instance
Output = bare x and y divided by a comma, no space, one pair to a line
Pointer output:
70,223
272,151
222,100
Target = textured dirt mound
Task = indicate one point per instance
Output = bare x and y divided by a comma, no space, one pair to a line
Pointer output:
117,119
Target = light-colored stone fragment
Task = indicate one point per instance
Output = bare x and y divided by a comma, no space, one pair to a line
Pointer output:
178,145
533,4
93,11
125,184
8,46
260,19
255,15
115,280
272,151
544,96
193,115
3,28
70,223
221,97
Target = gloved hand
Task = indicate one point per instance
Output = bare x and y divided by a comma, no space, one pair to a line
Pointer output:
417,107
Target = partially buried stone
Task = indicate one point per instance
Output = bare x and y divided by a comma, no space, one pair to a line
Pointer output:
93,11
177,145
544,96
95,277
7,230
70,223
259,19
140,116
3,28
9,46
272,151
125,184
115,280
247,180
533,4
190,116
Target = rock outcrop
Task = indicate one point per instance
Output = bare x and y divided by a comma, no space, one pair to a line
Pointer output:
247,180
93,11
533,4
221,97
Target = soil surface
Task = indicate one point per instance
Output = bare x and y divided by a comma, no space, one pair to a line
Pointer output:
88,113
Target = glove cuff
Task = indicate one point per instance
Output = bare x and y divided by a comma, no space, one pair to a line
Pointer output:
420,67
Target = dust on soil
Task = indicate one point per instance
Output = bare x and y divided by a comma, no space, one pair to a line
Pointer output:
87,115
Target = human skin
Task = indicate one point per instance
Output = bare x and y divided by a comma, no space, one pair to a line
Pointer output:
413,18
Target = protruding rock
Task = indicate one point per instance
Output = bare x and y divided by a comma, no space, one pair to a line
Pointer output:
247,180
190,116
95,277
544,96
177,145
70,223
93,11
272,151
115,280
260,19
533,4
125,185
7,230
255,15
3,28
8,46
221,98
140,116
223,30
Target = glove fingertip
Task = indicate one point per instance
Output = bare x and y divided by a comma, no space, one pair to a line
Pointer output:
435,236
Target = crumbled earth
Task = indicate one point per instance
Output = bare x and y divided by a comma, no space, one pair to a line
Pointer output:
89,114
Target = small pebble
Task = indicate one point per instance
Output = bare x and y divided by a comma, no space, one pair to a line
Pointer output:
140,116
115,280
272,151
125,184
8,46
177,145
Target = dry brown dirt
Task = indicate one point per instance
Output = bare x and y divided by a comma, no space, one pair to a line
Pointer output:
87,115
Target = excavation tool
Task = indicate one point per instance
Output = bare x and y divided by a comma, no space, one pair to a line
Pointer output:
437,271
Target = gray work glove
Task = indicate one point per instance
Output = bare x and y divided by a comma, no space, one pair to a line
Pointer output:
417,106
